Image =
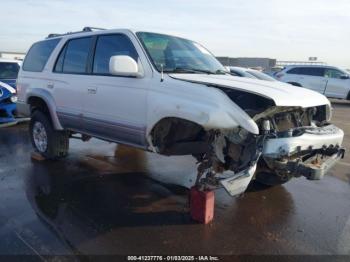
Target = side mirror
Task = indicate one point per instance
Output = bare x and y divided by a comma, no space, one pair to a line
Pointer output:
123,65
344,77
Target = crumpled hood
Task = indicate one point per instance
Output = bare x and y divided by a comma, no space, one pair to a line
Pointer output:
281,93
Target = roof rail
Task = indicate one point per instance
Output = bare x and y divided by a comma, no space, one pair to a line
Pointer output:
85,29
90,28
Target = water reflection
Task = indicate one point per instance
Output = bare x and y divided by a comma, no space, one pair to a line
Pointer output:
80,204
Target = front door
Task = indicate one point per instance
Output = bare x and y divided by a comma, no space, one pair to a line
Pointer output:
114,107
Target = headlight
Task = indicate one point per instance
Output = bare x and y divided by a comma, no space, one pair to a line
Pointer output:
13,99
329,112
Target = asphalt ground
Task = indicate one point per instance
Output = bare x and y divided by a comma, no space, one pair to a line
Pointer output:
106,199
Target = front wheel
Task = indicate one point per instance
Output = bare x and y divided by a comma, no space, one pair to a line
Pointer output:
50,143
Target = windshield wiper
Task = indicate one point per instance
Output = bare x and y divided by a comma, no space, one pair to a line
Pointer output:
189,70
195,71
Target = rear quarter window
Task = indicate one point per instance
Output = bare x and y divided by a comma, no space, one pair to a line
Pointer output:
38,55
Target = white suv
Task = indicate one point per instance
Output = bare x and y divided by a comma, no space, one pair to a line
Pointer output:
170,96
328,80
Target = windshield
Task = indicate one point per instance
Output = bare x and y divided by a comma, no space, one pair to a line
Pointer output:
260,75
177,55
8,70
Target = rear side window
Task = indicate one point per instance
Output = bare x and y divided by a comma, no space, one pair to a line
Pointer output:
74,56
108,46
310,71
38,55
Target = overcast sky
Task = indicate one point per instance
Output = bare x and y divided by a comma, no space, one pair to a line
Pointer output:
282,29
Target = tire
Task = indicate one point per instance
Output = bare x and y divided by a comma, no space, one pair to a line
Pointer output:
47,141
271,179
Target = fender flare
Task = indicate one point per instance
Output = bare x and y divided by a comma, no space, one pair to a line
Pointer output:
50,103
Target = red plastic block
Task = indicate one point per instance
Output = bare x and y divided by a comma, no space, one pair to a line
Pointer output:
202,205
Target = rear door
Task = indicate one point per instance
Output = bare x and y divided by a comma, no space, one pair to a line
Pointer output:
69,81
336,86
312,78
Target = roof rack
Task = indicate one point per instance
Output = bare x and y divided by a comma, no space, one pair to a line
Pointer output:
85,29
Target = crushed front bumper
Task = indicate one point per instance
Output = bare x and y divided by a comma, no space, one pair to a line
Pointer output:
314,168
313,138
311,154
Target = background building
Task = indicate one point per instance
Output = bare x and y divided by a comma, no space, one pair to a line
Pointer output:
266,64
253,62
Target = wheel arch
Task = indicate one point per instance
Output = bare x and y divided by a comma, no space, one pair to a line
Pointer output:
41,99
165,138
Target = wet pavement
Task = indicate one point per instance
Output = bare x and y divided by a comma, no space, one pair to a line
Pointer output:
105,199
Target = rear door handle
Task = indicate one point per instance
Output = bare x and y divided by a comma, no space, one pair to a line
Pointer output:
92,90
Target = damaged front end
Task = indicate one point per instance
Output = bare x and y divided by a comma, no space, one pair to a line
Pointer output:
292,142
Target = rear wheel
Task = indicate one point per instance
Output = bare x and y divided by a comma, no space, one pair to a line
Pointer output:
50,143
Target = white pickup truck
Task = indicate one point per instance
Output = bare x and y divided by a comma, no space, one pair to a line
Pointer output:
170,96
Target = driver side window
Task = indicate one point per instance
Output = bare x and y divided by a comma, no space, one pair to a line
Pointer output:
108,46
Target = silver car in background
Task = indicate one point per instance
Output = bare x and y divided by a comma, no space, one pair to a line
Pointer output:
330,81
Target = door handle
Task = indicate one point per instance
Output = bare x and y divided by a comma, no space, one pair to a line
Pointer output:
92,90
50,85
